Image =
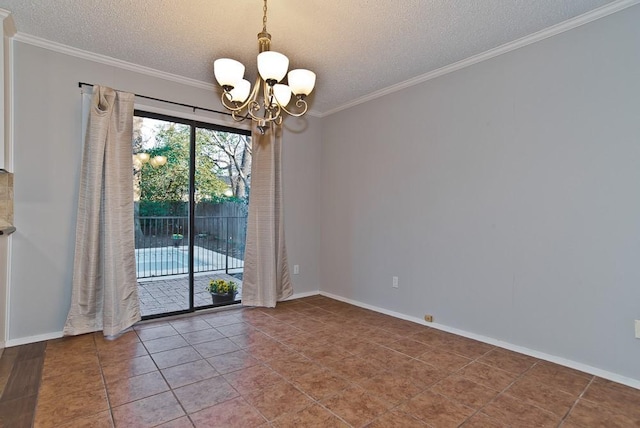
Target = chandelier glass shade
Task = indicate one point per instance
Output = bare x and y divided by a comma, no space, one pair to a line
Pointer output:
269,98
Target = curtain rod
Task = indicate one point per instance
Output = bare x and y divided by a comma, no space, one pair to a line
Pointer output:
81,84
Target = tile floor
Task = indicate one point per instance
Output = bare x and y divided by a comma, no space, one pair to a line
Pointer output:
313,362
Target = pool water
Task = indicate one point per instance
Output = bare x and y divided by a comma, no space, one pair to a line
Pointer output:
162,261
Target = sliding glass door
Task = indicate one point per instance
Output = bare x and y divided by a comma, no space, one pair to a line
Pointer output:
191,189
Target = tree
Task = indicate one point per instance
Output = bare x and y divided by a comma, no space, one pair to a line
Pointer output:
222,162
231,155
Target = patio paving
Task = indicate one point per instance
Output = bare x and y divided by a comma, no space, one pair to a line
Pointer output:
171,293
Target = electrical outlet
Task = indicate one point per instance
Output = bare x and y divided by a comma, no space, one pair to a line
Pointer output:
428,318
637,329
296,269
394,282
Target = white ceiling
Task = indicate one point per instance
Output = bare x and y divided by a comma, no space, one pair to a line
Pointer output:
356,47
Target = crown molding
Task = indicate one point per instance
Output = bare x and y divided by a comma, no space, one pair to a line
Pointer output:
570,24
107,60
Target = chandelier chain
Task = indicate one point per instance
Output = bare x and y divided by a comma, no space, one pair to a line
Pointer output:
264,17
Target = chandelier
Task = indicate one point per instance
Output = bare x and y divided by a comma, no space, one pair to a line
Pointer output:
268,99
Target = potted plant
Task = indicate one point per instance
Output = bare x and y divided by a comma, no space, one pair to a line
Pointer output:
222,291
177,239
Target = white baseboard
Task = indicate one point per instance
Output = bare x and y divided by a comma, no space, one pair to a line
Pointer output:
33,339
301,295
634,383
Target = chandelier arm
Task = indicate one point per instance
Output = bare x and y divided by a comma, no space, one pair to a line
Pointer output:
300,103
252,96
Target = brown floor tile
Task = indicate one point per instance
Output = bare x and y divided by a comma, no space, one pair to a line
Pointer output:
433,337
227,363
559,377
232,413
488,376
278,400
292,365
589,414
444,360
356,369
356,346
511,411
134,388
82,342
252,338
320,383
201,336
122,369
148,412
508,361
157,332
355,406
165,344
465,391
190,324
219,319
305,354
235,329
436,410
71,381
618,398
420,373
98,420
187,373
183,422
480,420
314,416
54,411
121,342
391,388
206,393
216,347
252,379
468,347
122,352
396,418
542,395
56,363
175,357
58,368
268,352
386,356
326,354
409,347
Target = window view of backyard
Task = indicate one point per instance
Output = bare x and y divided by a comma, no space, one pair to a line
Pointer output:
191,190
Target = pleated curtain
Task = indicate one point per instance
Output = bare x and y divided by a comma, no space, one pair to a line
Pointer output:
105,293
266,273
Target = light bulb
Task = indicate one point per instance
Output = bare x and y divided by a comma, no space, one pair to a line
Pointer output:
272,66
228,72
301,81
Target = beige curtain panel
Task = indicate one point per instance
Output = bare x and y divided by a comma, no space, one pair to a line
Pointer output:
105,293
266,273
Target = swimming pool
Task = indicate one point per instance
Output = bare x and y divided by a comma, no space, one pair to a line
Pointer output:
163,261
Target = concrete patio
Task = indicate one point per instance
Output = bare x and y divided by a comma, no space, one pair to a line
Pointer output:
171,293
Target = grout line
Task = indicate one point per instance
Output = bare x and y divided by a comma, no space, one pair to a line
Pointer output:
575,403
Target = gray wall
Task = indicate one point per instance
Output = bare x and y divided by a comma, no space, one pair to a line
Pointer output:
47,154
505,196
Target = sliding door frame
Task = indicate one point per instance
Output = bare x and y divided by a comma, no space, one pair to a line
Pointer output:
194,125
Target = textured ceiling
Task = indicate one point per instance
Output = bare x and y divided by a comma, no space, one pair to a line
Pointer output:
356,47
